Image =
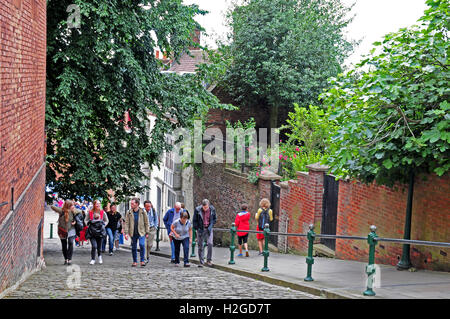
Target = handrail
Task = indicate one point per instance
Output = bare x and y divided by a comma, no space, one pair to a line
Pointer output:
392,240
372,239
414,242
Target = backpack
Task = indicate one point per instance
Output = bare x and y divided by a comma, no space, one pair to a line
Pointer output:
96,230
264,218
79,223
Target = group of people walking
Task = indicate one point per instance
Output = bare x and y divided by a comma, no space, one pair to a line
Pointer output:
96,225
140,226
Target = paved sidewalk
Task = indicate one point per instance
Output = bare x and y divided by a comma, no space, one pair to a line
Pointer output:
333,278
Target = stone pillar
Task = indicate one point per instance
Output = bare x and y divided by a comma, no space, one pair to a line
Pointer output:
316,174
264,183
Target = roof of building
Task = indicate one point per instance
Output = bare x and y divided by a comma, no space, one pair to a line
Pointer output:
188,63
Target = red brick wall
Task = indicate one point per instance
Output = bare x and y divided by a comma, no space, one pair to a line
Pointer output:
301,202
227,189
360,206
363,205
22,120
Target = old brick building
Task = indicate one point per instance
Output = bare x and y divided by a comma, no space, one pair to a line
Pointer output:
22,137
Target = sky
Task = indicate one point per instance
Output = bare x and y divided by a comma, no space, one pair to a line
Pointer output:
374,18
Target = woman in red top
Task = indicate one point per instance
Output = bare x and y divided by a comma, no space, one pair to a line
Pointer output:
242,222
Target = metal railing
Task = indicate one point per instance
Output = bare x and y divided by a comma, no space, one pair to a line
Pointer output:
372,240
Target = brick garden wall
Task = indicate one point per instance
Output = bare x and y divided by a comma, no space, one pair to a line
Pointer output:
22,146
300,206
227,189
360,206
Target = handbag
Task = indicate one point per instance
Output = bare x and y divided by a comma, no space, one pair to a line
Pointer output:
62,233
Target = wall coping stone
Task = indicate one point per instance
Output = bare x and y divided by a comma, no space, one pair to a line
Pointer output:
234,171
317,167
298,173
269,176
284,184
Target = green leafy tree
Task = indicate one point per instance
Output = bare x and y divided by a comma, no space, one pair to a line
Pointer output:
283,51
393,109
103,69
309,132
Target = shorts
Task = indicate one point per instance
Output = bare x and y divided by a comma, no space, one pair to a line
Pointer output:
242,239
259,236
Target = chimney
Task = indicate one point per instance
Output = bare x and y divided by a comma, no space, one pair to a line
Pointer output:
196,39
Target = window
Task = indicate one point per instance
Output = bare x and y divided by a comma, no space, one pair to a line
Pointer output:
168,177
147,191
171,198
169,157
168,163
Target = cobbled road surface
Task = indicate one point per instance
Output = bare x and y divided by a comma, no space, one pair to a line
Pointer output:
115,278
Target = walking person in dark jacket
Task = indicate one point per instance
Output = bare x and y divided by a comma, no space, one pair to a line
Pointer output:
111,229
203,222
96,241
96,232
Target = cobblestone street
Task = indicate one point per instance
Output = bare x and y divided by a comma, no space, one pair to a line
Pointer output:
115,278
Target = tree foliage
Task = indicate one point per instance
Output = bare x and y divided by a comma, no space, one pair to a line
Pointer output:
308,139
103,69
393,109
283,51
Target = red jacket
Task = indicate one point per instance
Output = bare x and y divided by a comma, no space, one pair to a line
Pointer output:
242,222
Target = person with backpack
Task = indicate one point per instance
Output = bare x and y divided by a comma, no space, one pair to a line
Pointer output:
96,242
242,222
66,228
263,217
96,232
79,226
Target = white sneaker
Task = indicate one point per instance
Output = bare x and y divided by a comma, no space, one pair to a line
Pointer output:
100,260
92,262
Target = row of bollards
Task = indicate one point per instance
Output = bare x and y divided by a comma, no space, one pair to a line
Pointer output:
311,236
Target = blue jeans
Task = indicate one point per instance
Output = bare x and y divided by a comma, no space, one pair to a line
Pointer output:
172,248
111,236
177,244
134,241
